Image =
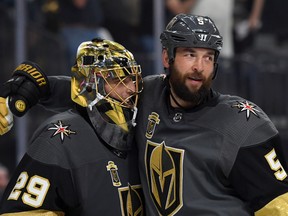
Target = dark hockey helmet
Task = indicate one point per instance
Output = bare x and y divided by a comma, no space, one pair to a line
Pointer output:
97,63
187,30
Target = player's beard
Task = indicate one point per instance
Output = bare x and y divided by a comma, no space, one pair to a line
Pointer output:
177,82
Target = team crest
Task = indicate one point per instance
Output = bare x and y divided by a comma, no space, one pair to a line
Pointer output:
153,120
61,130
246,107
164,168
131,198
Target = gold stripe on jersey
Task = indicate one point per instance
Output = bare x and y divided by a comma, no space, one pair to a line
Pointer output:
277,207
36,213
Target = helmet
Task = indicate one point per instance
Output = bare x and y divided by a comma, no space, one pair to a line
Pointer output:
186,30
97,63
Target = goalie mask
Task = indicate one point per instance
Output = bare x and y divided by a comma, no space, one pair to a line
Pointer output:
107,80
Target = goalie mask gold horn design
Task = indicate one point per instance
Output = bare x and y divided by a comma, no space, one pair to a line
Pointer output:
103,70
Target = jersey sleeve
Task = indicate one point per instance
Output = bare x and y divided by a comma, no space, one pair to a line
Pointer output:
60,94
38,187
259,176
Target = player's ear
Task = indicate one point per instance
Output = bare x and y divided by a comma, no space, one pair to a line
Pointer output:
165,58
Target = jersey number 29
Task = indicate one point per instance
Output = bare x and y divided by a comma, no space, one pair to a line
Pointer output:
36,189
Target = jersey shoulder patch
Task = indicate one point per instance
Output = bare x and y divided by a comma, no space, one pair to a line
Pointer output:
242,108
240,121
59,137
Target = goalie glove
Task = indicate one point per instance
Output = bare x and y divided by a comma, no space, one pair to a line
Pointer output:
27,86
6,116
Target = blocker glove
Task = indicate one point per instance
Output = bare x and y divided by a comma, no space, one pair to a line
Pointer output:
27,86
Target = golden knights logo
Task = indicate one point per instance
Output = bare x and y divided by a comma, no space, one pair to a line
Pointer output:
153,119
131,198
62,130
164,168
246,107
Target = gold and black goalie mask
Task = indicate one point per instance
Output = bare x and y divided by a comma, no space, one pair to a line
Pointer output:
103,71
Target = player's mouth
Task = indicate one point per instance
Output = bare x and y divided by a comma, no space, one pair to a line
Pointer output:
194,80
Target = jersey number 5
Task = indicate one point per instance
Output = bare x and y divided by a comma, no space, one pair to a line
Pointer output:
275,165
36,189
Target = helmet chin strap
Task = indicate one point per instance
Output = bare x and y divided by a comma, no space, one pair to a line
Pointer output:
95,101
135,110
215,70
174,99
171,94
